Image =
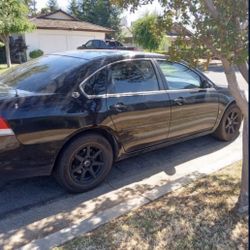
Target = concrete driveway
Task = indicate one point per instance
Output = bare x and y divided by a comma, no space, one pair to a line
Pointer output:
34,208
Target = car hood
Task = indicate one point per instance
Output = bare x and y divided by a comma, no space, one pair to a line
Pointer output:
223,89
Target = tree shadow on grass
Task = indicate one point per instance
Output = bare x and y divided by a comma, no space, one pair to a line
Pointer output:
199,217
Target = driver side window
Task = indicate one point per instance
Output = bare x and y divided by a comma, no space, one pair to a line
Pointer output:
179,76
132,77
89,44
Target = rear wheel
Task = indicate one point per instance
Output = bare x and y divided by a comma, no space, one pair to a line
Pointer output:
84,163
230,123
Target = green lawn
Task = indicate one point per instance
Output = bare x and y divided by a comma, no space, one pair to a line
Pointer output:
198,216
3,67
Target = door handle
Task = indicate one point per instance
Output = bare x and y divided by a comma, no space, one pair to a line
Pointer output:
179,101
120,107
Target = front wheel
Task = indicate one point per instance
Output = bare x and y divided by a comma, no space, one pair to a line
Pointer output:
230,123
84,163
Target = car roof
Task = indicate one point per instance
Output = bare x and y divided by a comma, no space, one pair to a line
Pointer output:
91,54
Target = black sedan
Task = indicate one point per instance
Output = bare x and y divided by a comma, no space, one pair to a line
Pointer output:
73,114
107,44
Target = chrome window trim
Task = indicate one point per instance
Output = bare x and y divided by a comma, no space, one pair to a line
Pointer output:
83,83
155,92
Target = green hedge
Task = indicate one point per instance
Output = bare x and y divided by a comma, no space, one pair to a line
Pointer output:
35,53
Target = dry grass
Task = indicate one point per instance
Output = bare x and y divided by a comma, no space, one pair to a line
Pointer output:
198,216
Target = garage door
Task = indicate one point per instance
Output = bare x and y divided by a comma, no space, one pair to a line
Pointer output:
50,43
53,43
76,41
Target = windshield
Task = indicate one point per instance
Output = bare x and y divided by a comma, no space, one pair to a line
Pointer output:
45,74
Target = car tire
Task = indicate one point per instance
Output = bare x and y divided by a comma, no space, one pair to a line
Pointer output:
230,123
84,163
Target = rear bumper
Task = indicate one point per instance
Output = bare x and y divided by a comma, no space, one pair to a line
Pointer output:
8,146
20,161
8,142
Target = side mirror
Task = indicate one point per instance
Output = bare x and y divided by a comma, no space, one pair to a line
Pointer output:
205,84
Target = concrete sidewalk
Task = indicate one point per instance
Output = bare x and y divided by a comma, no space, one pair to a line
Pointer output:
132,183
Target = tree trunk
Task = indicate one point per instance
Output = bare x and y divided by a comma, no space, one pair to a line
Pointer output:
242,203
243,68
234,88
207,62
242,102
7,51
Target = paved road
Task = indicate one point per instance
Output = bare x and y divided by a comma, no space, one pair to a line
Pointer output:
17,197
216,74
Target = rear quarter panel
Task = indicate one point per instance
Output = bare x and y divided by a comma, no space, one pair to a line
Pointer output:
43,124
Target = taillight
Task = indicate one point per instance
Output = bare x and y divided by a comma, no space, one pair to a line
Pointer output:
5,128
3,124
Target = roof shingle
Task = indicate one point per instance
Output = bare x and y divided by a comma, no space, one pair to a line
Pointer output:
45,22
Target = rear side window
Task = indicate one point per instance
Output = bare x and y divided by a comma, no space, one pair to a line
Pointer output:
132,76
179,76
97,84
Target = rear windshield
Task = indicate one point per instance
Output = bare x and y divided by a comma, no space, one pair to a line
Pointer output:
45,74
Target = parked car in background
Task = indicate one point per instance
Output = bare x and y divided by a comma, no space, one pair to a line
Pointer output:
107,44
74,114
117,45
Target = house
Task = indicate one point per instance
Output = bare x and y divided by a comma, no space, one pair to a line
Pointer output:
177,30
59,31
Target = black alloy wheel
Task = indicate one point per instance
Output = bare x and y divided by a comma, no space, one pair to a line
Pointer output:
84,163
230,123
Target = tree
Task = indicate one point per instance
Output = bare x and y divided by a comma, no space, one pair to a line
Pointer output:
221,27
147,33
86,10
32,7
100,12
52,5
73,8
13,20
44,11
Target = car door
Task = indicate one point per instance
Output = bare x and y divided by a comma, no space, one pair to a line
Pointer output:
194,105
138,105
101,45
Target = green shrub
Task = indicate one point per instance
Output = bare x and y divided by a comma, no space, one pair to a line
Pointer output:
36,53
